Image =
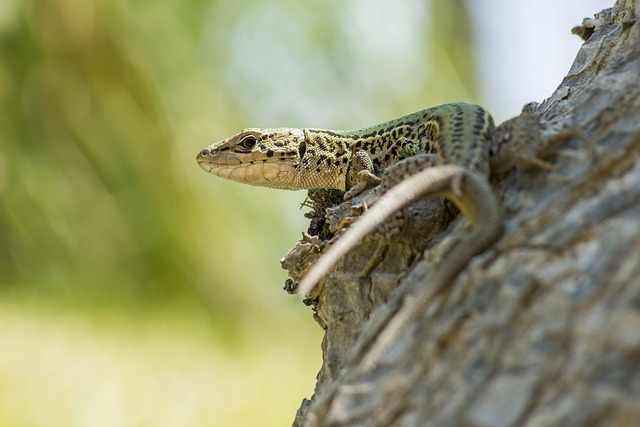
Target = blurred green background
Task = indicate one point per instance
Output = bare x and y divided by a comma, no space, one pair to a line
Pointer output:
136,290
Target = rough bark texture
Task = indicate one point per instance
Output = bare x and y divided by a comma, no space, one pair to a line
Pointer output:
544,328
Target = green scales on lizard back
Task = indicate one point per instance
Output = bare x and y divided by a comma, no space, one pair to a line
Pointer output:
293,159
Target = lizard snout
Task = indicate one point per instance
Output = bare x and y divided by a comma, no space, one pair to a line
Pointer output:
203,154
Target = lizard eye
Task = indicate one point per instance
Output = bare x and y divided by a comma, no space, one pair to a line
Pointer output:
248,142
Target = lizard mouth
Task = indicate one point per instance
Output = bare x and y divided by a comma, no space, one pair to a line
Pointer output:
233,167
212,162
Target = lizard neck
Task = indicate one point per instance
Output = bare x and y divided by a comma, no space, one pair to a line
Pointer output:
325,158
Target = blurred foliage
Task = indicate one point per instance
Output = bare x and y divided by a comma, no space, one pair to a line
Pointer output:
452,37
104,105
91,203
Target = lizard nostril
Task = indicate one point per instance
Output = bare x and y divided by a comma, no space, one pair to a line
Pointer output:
204,152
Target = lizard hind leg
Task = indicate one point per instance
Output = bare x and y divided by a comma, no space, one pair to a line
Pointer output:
394,226
391,229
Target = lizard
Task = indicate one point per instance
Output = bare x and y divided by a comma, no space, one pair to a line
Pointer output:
447,145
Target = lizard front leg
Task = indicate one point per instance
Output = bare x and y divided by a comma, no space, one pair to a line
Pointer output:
361,175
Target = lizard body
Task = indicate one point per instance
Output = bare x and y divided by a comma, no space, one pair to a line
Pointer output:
457,135
295,159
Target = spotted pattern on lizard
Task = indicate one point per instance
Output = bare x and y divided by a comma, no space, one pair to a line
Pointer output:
293,159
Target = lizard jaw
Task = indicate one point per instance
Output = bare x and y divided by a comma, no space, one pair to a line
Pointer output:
261,173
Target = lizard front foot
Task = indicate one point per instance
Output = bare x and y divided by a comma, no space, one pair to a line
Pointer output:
365,181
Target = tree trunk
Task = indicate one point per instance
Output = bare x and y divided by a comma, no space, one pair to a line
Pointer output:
543,329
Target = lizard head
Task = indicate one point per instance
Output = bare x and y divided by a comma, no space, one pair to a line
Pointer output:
264,157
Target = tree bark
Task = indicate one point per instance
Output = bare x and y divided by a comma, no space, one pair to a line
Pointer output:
543,329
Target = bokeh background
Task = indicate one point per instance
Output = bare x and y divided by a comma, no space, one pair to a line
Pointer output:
136,290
